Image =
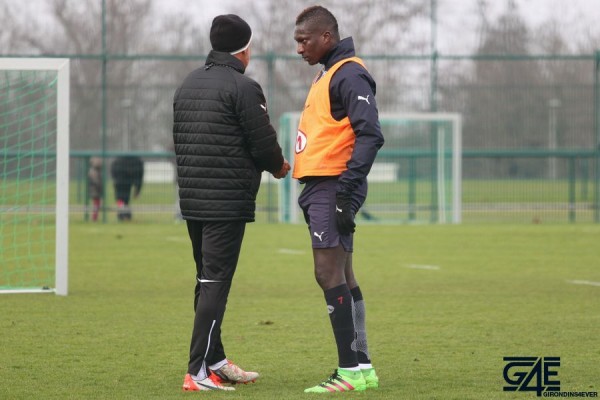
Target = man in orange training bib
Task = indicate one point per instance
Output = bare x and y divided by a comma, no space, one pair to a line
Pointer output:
338,138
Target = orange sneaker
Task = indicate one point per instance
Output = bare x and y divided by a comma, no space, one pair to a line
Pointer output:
231,373
211,383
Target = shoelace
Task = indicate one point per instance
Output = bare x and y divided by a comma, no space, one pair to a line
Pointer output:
332,378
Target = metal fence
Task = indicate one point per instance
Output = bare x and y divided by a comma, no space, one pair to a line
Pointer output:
530,123
531,131
485,199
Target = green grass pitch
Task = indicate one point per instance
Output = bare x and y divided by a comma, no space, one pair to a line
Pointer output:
445,304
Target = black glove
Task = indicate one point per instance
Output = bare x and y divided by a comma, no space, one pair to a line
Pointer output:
343,214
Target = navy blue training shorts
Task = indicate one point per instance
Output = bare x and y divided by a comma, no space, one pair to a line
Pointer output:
317,201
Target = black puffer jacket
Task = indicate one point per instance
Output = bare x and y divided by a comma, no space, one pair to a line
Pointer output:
223,141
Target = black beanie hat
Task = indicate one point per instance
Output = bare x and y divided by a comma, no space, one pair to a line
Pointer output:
229,33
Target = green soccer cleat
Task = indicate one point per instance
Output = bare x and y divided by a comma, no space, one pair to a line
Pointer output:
370,378
342,380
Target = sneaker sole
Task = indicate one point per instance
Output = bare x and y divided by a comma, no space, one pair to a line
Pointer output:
223,380
240,383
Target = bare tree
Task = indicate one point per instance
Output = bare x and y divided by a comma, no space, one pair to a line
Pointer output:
139,90
502,111
569,86
376,27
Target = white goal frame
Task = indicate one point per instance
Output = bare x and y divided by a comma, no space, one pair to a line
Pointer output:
289,212
62,68
455,120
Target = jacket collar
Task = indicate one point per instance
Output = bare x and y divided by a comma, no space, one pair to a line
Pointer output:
344,49
225,59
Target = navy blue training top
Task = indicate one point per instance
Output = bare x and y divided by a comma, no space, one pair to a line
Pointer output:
352,94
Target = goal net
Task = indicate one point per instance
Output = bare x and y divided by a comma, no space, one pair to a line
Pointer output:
34,175
416,177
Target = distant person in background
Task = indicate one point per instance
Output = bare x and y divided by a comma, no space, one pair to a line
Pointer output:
127,174
95,187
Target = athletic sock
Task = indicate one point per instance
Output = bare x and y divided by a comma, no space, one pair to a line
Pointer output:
218,365
362,349
339,306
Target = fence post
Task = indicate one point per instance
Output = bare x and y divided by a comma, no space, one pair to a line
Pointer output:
104,106
572,180
412,188
433,107
271,208
597,139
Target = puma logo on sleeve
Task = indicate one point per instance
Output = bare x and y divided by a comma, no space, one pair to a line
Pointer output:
364,98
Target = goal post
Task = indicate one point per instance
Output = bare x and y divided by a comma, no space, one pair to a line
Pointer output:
416,178
34,167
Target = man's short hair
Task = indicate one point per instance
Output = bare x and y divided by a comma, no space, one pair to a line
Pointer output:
319,16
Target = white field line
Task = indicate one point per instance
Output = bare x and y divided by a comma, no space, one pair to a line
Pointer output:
291,251
582,282
424,267
176,239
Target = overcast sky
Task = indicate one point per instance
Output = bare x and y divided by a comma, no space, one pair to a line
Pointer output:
457,19
454,16
575,16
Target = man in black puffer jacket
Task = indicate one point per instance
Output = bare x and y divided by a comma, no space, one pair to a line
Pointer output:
223,141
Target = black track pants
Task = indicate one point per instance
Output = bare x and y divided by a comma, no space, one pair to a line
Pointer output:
216,247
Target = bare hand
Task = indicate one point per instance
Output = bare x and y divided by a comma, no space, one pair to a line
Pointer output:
283,171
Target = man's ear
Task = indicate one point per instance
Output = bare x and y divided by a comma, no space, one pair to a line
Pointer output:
243,56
